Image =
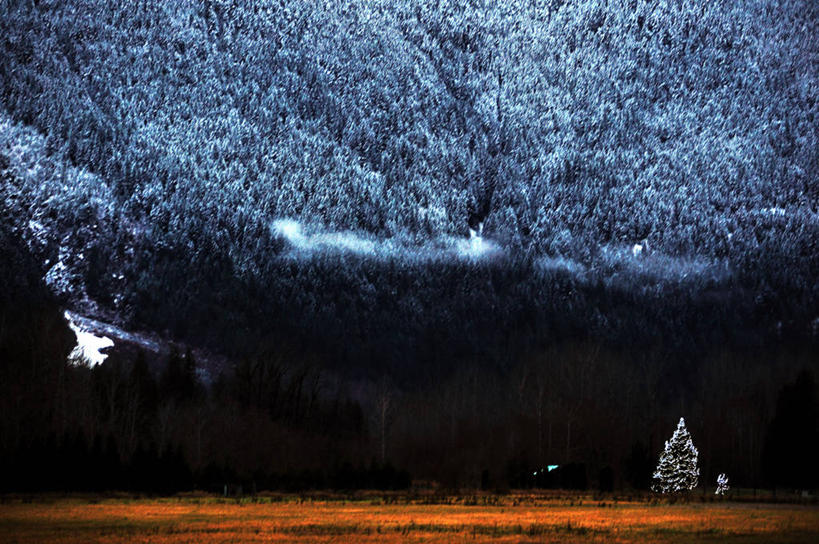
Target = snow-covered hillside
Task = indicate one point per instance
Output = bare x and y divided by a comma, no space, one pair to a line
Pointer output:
228,169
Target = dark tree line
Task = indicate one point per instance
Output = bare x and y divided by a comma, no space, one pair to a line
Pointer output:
284,419
147,149
122,426
287,415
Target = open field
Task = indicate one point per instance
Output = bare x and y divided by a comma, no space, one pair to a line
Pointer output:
492,519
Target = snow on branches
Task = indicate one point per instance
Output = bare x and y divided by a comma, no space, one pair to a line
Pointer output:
677,470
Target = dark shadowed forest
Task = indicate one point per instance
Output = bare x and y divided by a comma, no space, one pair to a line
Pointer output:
278,419
373,243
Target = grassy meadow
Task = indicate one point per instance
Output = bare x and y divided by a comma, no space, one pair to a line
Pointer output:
484,518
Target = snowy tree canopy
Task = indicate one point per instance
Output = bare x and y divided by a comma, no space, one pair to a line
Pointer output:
195,149
677,470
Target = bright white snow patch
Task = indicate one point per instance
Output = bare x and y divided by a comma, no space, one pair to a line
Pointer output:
637,250
89,345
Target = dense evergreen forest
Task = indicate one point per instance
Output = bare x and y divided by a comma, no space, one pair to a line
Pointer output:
409,226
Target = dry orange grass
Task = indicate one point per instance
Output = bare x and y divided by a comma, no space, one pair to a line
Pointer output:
211,521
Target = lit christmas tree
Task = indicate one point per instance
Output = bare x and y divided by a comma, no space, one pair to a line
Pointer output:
677,470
